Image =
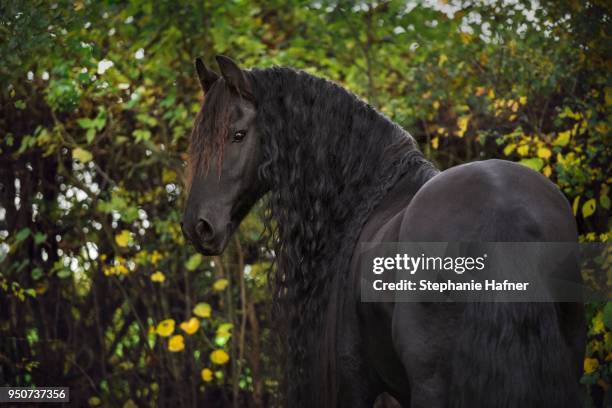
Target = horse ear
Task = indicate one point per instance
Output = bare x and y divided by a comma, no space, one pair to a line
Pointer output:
234,76
206,76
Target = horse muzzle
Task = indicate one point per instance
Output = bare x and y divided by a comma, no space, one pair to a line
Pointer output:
205,237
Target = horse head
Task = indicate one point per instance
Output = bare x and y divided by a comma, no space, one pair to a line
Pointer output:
224,156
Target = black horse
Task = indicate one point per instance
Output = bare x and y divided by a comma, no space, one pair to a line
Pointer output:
336,172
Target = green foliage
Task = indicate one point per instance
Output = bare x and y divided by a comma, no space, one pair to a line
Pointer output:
98,289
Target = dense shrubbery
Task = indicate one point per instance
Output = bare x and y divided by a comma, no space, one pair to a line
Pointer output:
98,289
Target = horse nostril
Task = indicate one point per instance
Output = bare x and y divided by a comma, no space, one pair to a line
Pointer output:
204,230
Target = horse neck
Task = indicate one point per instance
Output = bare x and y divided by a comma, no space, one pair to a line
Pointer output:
324,187
337,168
327,170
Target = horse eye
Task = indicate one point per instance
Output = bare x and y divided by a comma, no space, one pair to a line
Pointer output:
238,136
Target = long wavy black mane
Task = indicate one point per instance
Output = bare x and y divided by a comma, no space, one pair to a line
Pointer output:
329,159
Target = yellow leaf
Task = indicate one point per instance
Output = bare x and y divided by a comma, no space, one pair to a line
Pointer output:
442,60
534,163
176,343
547,171
562,139
219,357
512,47
156,257
523,100
436,105
590,365
130,404
168,176
491,94
207,375
435,142
462,124
523,150
481,90
509,149
484,59
604,201
598,323
123,239
575,205
223,334
544,153
158,277
515,106
588,208
220,285
81,155
573,115
224,329
165,327
202,310
94,401
190,326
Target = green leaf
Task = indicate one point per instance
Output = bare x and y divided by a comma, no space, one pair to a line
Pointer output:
193,262
64,273
222,339
100,121
37,273
588,208
22,234
90,135
20,105
604,200
534,163
39,238
81,155
147,120
142,135
130,214
85,123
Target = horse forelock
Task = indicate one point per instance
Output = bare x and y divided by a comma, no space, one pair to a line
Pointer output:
209,132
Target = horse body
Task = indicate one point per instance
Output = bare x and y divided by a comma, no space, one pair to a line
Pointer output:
339,174
492,201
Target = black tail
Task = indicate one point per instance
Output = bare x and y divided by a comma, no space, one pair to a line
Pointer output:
516,355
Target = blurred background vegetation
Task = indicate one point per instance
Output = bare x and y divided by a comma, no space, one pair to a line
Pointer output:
98,289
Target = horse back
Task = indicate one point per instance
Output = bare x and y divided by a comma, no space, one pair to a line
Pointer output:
491,200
